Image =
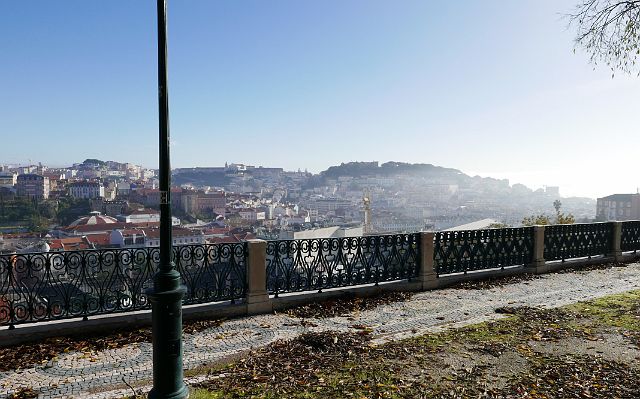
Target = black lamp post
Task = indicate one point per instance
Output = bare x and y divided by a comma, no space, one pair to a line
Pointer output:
168,291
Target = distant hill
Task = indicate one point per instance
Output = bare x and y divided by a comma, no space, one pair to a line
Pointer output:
421,171
363,169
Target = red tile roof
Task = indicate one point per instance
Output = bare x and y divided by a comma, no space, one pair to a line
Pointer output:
100,240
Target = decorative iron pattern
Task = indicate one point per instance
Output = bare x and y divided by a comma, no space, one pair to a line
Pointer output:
630,239
58,285
566,241
469,250
317,264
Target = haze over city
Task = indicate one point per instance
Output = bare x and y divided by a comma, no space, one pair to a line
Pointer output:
489,88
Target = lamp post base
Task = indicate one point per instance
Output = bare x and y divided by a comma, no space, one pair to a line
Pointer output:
168,377
181,394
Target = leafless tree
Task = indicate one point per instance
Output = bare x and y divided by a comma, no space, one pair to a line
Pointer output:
609,31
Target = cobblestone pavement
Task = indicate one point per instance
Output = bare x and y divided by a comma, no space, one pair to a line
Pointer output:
101,374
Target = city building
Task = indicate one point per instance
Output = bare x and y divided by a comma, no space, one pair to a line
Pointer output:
251,214
180,236
111,208
199,202
553,191
145,216
618,207
8,179
32,186
128,238
326,205
79,243
86,189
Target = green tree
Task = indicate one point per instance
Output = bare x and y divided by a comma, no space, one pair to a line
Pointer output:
543,220
48,209
93,161
561,218
70,209
37,224
536,220
18,209
557,205
609,32
498,226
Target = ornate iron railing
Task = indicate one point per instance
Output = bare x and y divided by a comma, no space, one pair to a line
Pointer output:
57,285
317,264
469,250
566,241
630,238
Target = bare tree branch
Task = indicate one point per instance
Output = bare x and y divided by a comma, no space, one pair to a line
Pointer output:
609,30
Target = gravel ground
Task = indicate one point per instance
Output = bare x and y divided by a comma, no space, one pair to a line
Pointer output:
102,374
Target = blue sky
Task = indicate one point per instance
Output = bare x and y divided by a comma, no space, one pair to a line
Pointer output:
489,87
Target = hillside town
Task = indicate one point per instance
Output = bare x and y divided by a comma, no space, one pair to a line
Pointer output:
106,204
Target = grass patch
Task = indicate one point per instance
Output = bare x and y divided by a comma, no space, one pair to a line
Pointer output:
204,394
621,311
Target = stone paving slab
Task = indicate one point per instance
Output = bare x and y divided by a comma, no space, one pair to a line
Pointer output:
101,374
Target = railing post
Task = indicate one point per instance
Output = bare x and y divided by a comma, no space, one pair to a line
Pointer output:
257,298
537,264
616,242
427,275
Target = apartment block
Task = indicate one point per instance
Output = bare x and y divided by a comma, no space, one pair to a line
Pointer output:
32,186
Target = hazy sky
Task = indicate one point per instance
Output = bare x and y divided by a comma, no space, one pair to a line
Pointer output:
488,87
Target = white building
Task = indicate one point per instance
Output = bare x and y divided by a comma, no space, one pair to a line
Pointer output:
128,238
86,190
8,179
145,216
251,214
123,188
181,236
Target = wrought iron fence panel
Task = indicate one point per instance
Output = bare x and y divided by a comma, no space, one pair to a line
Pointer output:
566,241
212,272
57,285
317,264
469,250
630,239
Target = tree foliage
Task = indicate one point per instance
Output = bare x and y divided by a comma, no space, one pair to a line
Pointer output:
536,220
499,226
37,224
93,161
19,209
544,220
69,209
389,169
609,31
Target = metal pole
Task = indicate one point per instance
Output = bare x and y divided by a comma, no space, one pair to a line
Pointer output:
168,291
